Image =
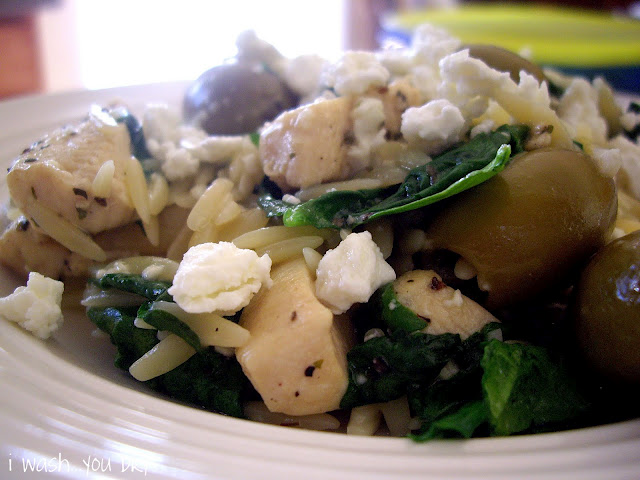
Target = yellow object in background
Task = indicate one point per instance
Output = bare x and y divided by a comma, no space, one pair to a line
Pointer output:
574,41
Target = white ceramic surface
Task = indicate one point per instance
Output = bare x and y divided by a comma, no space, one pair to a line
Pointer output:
65,410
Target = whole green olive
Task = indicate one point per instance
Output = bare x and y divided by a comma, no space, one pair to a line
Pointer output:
505,60
531,226
236,98
607,310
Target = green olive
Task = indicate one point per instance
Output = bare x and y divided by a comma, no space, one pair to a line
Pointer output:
505,61
236,98
530,227
607,310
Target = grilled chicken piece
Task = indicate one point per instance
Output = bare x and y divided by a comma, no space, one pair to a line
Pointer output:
396,98
25,248
308,145
296,357
447,310
58,172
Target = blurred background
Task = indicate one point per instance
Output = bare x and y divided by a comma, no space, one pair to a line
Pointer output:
60,45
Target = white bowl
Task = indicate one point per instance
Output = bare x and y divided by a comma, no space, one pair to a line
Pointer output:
65,409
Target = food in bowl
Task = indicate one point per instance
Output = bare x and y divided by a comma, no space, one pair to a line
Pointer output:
404,241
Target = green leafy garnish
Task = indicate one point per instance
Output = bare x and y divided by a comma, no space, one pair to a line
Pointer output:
131,342
207,379
524,388
127,282
452,172
210,380
382,368
138,143
167,322
394,314
515,388
462,422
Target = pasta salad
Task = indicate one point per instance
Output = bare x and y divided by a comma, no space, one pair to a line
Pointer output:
435,241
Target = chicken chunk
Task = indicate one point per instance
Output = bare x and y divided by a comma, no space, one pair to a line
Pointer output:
25,248
396,98
296,357
59,170
447,310
308,145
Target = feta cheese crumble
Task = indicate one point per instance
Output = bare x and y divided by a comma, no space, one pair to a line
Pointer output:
355,73
368,129
435,125
36,306
578,108
470,84
351,272
182,149
219,277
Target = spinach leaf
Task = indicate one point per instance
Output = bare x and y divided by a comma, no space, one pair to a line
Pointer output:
442,400
449,407
501,389
166,321
382,369
394,314
524,388
452,172
150,289
463,422
138,143
131,342
208,379
472,349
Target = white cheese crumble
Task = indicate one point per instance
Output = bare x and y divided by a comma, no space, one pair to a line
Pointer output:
368,130
431,44
396,60
351,272
630,120
465,78
36,306
435,125
630,164
455,301
578,108
219,277
182,148
355,73
608,160
302,74
419,63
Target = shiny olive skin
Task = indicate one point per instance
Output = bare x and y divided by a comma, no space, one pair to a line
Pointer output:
607,310
531,226
236,98
505,61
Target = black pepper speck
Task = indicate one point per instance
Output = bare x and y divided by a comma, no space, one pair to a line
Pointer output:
80,192
23,225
